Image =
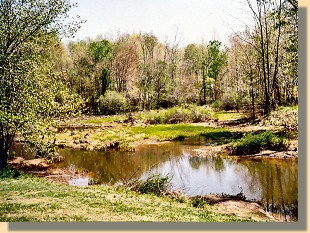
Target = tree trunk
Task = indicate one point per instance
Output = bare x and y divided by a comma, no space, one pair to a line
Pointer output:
3,158
204,85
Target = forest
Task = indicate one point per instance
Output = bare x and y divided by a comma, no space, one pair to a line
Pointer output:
137,72
257,70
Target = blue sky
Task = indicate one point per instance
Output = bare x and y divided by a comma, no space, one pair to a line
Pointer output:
191,20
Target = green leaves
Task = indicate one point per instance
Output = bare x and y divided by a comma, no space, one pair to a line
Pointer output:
253,143
216,58
31,92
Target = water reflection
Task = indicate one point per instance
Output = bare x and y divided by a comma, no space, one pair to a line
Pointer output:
273,182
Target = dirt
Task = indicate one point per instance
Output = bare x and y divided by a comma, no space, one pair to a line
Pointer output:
42,168
221,150
245,209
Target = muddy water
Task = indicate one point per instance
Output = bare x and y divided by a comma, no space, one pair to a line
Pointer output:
273,182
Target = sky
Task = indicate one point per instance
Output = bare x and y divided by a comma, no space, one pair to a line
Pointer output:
189,21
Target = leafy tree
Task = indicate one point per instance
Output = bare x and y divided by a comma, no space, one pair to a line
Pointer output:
190,82
102,54
124,64
28,85
148,44
216,59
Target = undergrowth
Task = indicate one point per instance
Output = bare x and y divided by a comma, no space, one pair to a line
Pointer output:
191,113
253,143
154,184
9,172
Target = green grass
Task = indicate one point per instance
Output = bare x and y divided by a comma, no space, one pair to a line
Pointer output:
106,119
178,114
112,132
172,131
154,184
181,131
288,108
29,198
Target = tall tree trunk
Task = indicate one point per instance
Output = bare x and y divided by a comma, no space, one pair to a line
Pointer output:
276,87
204,85
266,78
3,157
266,53
253,99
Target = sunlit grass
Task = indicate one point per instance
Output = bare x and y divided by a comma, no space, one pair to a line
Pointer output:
224,116
171,132
288,108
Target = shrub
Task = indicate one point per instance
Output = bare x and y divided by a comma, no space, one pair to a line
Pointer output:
286,119
231,101
254,143
154,184
8,172
191,113
199,201
217,105
112,103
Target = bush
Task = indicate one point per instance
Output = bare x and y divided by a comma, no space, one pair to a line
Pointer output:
285,118
217,105
112,103
153,185
9,172
254,143
231,101
175,115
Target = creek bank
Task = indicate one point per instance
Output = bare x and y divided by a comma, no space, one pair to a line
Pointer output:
221,150
118,135
222,204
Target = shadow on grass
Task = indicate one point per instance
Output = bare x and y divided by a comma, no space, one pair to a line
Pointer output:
219,138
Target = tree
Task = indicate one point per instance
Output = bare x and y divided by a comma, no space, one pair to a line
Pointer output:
101,59
124,64
82,74
190,82
216,59
28,84
148,43
275,40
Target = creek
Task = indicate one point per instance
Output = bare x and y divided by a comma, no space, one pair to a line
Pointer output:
273,182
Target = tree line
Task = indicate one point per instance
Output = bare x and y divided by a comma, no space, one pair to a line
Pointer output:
257,68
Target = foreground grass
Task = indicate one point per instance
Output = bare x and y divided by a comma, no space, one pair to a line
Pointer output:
28,198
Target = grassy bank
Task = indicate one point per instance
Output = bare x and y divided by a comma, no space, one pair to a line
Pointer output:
28,198
121,136
121,131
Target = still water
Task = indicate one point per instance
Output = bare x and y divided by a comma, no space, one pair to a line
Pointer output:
273,182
